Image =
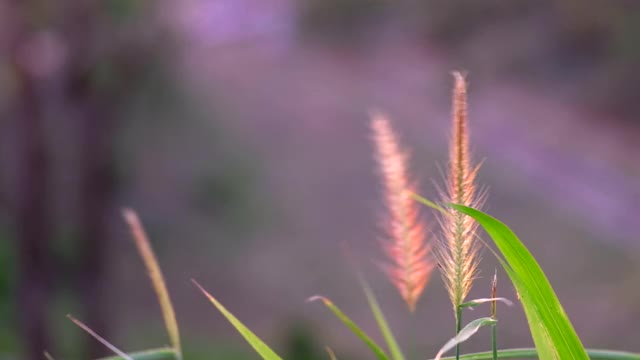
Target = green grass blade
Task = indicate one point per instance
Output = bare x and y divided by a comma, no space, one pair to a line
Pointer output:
530,353
550,327
152,354
258,345
429,203
380,354
465,334
392,344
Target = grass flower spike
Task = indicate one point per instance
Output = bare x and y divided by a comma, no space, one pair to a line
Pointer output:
406,244
458,253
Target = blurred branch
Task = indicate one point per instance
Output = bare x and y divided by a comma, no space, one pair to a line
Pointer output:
33,227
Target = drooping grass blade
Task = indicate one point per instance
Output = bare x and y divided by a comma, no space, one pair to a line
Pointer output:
550,327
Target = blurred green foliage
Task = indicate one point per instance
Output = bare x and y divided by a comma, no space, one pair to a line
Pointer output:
300,343
227,197
118,65
8,339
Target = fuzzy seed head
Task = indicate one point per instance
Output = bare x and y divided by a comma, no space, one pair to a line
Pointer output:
458,253
406,247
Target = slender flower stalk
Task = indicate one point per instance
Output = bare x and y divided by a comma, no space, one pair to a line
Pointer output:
458,252
406,247
494,335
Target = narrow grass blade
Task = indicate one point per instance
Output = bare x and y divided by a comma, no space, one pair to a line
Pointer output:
157,280
48,356
380,354
258,345
429,203
104,342
464,334
151,354
476,302
392,344
332,355
550,327
530,353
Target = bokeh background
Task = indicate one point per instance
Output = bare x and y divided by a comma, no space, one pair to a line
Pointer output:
239,131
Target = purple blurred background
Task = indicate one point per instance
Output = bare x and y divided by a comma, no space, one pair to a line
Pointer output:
238,129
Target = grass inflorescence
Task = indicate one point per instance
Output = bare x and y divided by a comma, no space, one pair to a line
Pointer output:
405,241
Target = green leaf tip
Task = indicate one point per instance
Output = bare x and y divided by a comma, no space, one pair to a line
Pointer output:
258,345
375,348
392,344
429,203
100,339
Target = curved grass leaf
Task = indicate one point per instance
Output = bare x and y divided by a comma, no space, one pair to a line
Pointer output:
464,334
380,354
550,327
258,345
151,354
157,280
476,302
396,353
529,353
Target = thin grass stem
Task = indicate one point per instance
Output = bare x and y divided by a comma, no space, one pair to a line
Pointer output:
494,314
494,342
458,328
413,339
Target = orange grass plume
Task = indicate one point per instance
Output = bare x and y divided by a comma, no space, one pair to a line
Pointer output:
458,252
406,246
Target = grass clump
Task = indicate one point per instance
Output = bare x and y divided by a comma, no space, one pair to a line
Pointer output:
411,258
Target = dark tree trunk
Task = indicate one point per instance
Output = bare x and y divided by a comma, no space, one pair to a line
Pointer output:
95,167
96,195
33,227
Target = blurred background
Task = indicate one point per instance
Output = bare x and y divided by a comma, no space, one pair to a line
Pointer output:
238,130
